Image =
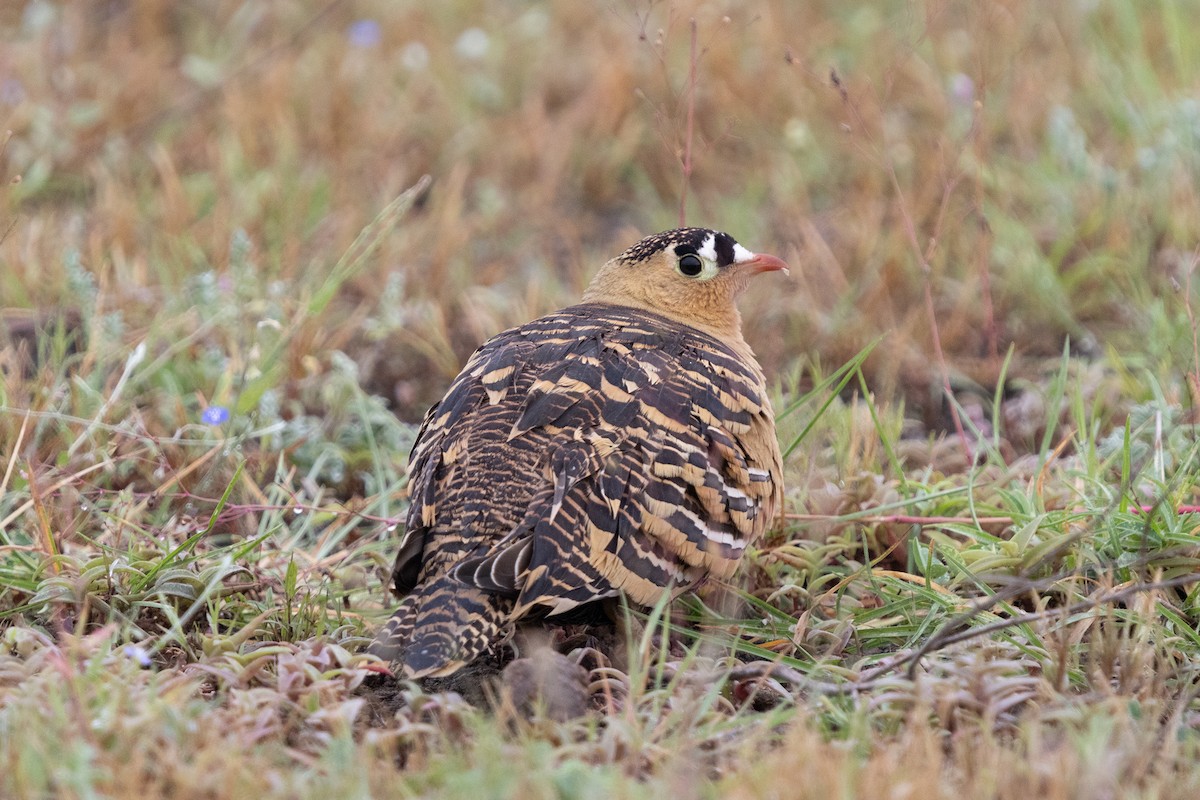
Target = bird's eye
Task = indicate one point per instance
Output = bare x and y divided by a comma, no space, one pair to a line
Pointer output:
691,265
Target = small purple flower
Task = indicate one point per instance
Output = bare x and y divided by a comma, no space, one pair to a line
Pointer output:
962,89
138,654
215,415
364,33
12,92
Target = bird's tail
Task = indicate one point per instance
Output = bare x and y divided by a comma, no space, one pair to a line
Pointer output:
390,639
442,627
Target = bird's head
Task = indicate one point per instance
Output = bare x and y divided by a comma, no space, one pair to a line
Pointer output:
694,275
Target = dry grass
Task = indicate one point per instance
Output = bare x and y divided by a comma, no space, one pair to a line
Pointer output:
197,222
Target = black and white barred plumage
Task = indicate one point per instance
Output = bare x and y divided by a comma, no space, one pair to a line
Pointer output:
599,450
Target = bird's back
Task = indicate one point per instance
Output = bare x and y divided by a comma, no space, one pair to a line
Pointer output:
597,450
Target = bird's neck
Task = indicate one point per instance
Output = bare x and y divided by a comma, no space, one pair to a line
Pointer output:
723,324
713,312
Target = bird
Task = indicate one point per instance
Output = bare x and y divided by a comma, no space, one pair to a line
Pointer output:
622,446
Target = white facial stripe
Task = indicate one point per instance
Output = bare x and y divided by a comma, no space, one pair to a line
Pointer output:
709,251
741,254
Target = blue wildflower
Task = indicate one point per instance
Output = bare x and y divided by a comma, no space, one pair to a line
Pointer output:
138,654
962,89
364,33
12,92
215,415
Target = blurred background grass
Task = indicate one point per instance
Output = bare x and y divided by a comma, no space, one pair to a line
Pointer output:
216,332
1050,151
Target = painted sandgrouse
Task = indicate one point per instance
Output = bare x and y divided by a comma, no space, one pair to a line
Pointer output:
622,445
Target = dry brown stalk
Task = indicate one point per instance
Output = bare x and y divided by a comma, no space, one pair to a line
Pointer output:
686,161
924,256
884,519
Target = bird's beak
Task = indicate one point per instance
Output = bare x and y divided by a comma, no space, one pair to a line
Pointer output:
765,263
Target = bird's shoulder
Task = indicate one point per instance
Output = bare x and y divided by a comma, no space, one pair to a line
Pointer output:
612,355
